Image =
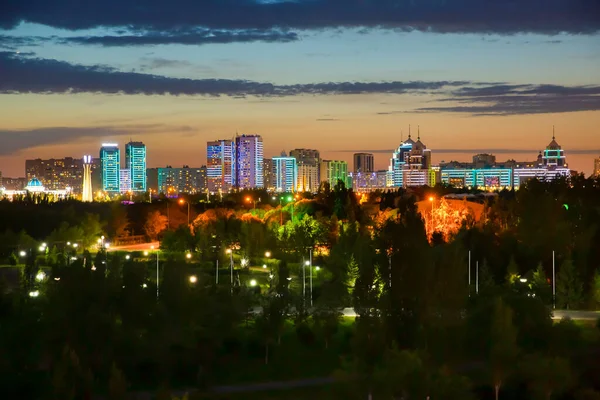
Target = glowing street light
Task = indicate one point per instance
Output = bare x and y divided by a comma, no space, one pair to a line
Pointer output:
40,276
193,279
34,293
106,245
127,257
265,266
253,282
146,252
188,255
182,201
267,254
523,280
318,268
22,253
244,262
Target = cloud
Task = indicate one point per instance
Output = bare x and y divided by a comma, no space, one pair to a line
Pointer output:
442,16
185,37
502,100
327,119
35,75
16,140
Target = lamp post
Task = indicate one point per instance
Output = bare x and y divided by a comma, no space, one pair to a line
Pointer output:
251,200
157,271
182,201
230,252
310,274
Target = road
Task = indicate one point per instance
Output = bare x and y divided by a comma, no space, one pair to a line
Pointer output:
558,314
136,247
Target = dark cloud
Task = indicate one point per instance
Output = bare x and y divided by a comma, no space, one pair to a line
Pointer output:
17,140
34,75
462,16
185,37
504,100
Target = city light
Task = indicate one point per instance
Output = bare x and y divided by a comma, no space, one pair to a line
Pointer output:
146,252
75,245
228,251
523,280
144,285
40,276
106,245
317,268
34,293
41,248
267,254
22,253
431,198
253,282
307,263
127,257
188,255
265,266
193,279
244,262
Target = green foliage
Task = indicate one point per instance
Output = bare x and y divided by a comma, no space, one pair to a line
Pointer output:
547,377
540,285
504,350
595,291
569,289
512,271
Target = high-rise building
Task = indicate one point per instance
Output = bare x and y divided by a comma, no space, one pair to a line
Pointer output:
59,173
248,162
332,171
307,161
172,181
410,163
286,173
596,167
110,158
219,163
364,162
268,174
87,192
135,162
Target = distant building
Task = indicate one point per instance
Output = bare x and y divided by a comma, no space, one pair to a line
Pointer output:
247,162
173,181
364,162
59,173
307,161
35,187
332,171
268,174
125,181
484,160
286,173
135,162
13,183
110,158
596,172
219,163
410,163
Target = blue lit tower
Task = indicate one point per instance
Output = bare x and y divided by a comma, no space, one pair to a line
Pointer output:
110,160
247,170
554,155
286,173
135,162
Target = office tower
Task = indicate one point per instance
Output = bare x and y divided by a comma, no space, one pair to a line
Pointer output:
135,162
110,158
307,161
219,160
268,174
87,192
125,180
484,160
286,173
172,181
332,171
596,172
248,162
410,163
364,162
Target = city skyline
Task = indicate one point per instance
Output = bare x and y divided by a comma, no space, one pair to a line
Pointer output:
178,74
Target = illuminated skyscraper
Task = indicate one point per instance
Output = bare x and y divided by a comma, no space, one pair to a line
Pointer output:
110,158
125,180
364,162
87,192
248,162
172,181
307,161
286,173
333,171
219,159
135,162
410,163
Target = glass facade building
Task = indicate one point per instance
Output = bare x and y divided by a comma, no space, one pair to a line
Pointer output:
135,162
110,161
286,173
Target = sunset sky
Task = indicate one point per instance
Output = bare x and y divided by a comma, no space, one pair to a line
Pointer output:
336,75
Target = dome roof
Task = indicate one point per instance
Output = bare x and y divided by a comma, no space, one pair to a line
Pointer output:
34,182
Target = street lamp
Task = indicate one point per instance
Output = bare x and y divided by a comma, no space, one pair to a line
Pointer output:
193,279
22,253
40,276
253,282
182,201
188,255
230,252
250,200
127,257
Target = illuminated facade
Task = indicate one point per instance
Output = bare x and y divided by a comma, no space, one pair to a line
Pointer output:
550,164
36,188
307,161
410,164
87,194
135,162
247,162
286,173
363,163
332,171
125,180
59,173
370,181
268,174
110,159
172,181
219,162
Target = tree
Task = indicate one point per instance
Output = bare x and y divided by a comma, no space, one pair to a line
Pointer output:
540,285
569,290
504,350
270,322
595,291
155,224
326,318
547,376
512,271
486,279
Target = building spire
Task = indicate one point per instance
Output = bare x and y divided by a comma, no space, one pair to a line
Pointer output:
409,131
418,132
553,136
401,136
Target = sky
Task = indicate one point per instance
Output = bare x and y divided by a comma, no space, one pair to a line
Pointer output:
341,76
